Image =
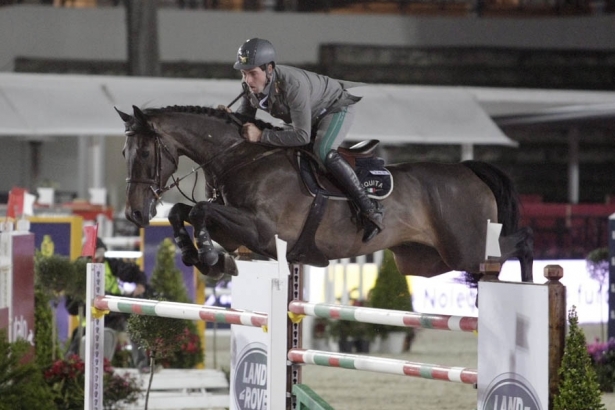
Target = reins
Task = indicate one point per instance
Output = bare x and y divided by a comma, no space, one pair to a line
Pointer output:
156,183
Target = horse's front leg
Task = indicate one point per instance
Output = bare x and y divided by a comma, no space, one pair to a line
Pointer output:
231,227
179,214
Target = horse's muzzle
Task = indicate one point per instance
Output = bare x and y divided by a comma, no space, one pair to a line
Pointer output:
137,218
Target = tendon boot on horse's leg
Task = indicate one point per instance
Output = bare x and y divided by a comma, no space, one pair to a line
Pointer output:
371,211
207,252
185,245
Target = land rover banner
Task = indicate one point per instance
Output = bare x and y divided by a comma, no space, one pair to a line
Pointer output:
257,288
513,346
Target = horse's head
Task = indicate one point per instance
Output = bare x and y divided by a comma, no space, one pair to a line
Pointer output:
151,159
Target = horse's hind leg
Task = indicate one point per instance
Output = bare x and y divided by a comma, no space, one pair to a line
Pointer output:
177,216
521,245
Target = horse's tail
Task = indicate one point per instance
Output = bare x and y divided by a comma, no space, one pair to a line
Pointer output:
503,189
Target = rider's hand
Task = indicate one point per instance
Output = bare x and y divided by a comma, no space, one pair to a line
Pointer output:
225,108
251,132
139,290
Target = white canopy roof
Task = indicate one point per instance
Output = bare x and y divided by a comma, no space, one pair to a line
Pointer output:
38,105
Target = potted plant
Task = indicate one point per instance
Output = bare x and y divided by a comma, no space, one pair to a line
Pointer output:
320,334
578,384
391,292
351,336
168,284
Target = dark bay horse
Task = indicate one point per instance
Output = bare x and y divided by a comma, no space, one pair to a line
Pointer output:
435,219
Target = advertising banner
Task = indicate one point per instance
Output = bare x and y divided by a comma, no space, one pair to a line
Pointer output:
513,345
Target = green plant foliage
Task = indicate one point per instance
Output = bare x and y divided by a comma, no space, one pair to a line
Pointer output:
167,280
44,342
53,273
578,386
603,358
190,352
168,284
77,287
21,381
46,292
66,378
345,329
390,292
160,336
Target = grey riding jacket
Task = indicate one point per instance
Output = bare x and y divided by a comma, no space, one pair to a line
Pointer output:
301,99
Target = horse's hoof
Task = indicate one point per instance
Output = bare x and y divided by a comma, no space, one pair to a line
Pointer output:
215,276
209,272
208,256
230,267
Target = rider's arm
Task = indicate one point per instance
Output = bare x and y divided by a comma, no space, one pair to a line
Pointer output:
127,272
298,100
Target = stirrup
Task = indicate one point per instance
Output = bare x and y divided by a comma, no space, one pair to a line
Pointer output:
372,222
375,215
370,230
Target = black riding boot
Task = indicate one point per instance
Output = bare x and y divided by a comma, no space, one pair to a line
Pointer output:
347,179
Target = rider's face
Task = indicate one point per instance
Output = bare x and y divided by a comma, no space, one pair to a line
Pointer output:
256,78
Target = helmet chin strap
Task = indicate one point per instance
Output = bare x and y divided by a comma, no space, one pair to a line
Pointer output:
251,95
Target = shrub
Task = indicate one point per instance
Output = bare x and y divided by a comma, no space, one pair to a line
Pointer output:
168,284
578,385
21,381
390,292
66,378
602,356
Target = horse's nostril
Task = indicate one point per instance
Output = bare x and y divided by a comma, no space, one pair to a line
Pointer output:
136,216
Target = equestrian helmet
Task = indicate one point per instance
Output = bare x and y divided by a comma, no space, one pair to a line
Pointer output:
254,53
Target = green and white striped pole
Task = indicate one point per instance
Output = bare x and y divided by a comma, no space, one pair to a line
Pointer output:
384,365
385,317
176,310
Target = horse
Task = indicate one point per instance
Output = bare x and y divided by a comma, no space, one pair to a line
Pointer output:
435,219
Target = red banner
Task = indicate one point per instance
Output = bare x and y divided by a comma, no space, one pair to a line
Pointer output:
89,247
14,208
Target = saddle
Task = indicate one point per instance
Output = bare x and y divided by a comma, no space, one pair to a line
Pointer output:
375,178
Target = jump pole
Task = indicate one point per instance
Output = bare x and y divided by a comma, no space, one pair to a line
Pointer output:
520,344
283,374
384,316
384,365
99,304
176,310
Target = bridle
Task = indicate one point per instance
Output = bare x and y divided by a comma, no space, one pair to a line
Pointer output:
155,183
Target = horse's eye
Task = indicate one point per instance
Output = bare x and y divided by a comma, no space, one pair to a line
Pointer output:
144,154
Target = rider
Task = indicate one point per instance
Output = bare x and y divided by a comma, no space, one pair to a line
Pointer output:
306,101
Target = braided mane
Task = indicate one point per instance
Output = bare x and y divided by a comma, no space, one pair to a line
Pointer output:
213,112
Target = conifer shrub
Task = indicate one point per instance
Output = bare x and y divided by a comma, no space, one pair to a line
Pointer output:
390,292
578,386
168,284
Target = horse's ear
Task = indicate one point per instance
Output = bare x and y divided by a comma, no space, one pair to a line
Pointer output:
139,116
125,117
